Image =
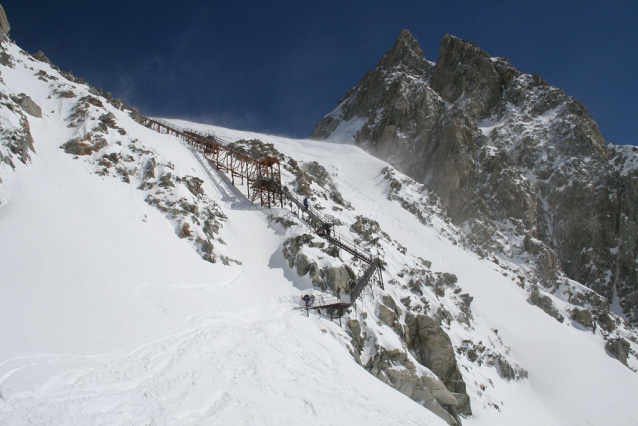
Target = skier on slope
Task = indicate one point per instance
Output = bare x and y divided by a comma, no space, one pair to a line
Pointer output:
305,203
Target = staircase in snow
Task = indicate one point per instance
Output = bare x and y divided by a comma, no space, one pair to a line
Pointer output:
264,179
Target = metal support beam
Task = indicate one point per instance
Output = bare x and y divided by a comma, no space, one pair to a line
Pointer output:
230,161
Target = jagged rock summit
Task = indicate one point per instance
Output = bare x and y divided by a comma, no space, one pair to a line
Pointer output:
406,55
522,167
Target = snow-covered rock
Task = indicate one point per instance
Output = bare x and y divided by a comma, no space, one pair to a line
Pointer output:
521,167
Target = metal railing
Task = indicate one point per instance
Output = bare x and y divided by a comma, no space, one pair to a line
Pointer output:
308,209
187,130
323,224
320,301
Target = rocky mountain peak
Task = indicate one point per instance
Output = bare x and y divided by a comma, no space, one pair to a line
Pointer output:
455,49
508,154
464,69
406,54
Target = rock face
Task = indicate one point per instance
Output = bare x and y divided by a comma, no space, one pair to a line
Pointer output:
335,278
506,152
584,317
434,349
29,106
395,369
16,142
545,303
619,348
4,22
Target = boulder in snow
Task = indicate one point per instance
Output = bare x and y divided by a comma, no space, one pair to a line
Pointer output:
29,106
619,348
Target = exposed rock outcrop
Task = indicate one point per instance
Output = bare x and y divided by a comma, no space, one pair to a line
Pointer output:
16,141
434,349
4,22
85,145
182,198
358,340
396,369
584,317
545,303
29,106
619,348
333,278
480,354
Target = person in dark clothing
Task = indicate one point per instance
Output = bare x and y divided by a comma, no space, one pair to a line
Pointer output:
305,203
306,298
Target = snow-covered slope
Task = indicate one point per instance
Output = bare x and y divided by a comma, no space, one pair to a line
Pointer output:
113,311
572,380
109,318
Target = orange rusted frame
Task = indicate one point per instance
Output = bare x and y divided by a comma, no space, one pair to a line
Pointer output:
230,161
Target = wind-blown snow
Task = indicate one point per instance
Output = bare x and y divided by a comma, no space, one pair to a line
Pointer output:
347,130
106,317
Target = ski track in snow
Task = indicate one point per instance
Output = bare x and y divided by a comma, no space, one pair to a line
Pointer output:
221,367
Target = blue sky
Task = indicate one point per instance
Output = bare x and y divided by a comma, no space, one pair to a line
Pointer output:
278,67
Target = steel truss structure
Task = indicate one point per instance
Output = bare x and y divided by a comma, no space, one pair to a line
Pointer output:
263,177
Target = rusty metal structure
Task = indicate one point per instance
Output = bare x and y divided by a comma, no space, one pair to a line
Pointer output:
263,177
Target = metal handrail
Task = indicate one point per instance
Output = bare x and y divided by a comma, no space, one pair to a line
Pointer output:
217,140
321,218
311,210
185,129
348,242
321,301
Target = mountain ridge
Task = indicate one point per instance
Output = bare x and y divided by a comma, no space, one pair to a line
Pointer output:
500,145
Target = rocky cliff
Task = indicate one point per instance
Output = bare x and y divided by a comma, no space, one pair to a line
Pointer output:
513,159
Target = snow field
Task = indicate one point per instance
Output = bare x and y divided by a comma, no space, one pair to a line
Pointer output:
572,380
112,319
